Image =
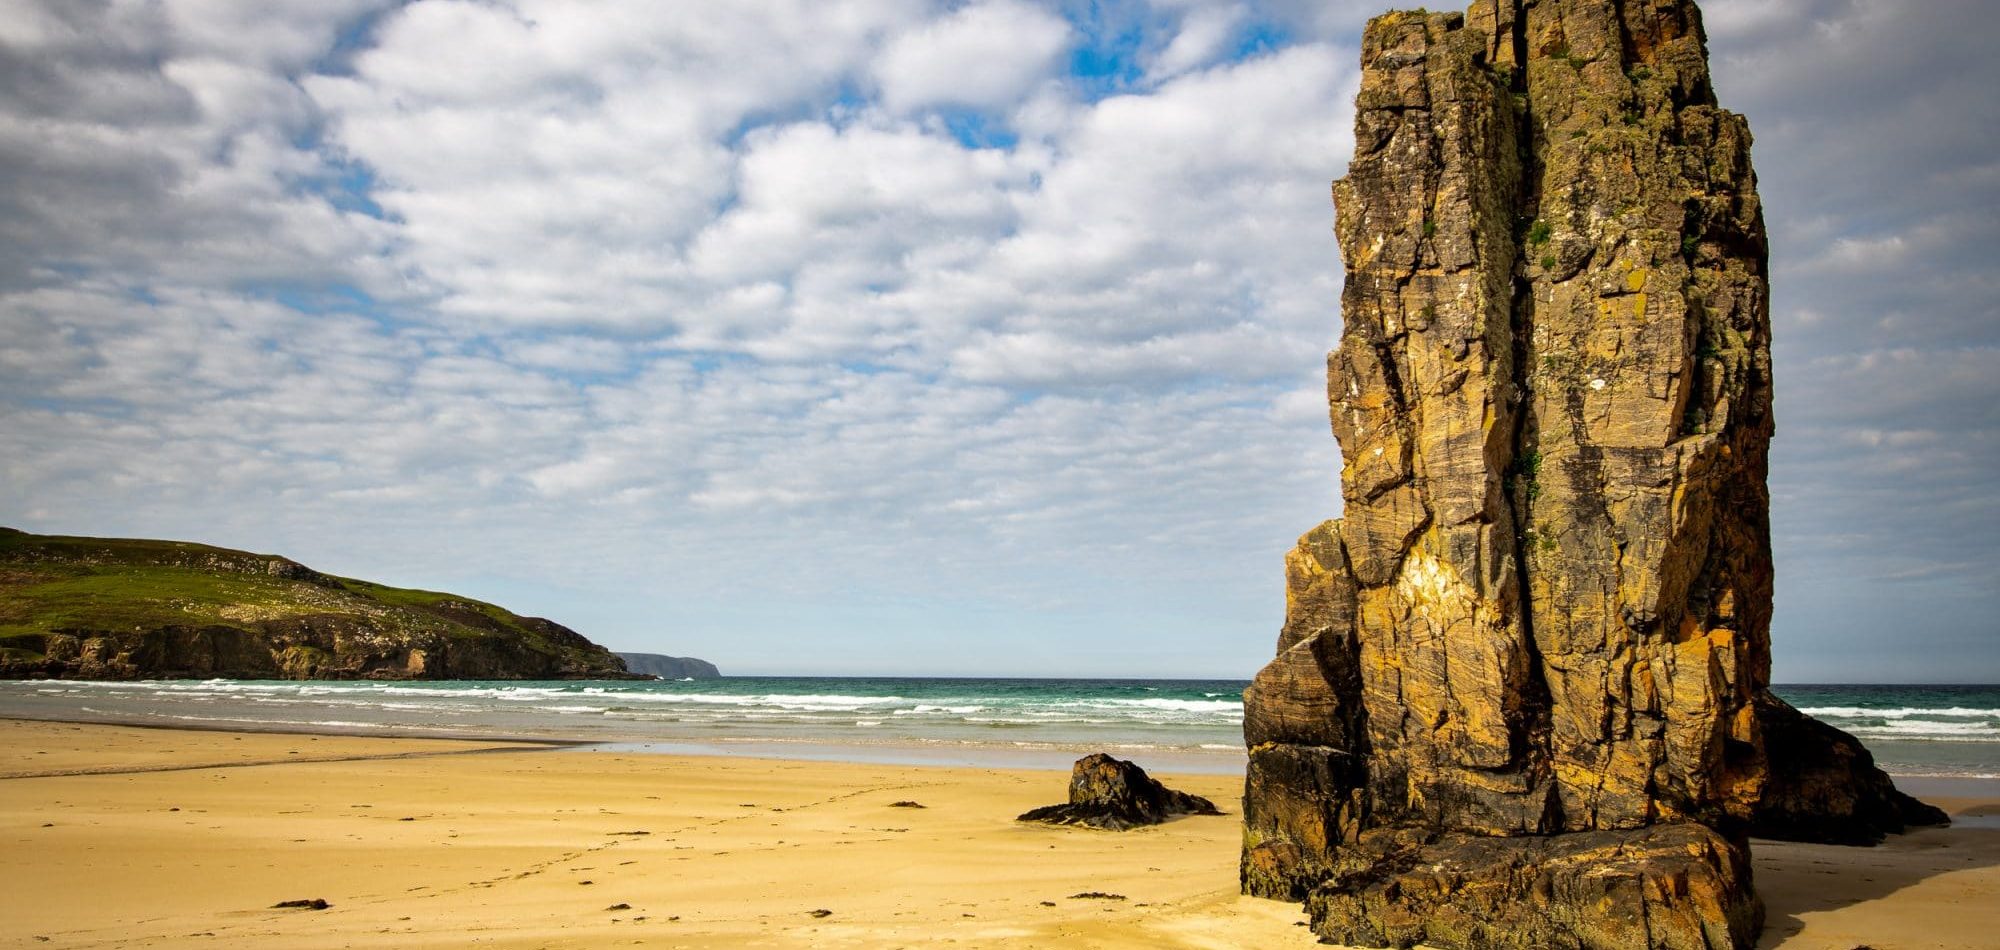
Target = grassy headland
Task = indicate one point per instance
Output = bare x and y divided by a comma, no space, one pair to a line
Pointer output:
120,608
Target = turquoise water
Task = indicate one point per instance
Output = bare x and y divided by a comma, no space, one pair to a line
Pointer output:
1190,717
1932,730
1913,730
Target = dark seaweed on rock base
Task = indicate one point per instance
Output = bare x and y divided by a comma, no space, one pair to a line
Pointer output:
1114,795
1526,674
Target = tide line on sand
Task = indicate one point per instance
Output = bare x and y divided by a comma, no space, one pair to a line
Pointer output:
411,842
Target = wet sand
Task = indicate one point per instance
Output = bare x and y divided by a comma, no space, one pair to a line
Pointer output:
125,837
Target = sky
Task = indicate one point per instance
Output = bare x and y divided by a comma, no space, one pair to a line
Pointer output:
869,337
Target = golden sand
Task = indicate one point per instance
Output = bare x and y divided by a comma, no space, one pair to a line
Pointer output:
127,837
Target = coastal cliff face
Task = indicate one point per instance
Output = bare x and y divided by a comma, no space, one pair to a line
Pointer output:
100,608
1547,607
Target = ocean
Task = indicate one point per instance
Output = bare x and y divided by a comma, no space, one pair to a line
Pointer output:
1934,731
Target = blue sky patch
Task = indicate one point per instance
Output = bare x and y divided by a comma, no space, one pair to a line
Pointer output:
975,129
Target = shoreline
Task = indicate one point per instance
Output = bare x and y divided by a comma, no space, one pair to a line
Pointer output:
436,843
932,753
1184,725
299,729
926,754
522,848
943,755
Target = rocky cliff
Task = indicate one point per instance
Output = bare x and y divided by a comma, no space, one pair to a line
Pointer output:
101,608
669,667
1546,609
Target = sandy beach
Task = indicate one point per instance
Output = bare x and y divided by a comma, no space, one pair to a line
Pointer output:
126,837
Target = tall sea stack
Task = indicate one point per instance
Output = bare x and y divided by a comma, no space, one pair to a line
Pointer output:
1520,697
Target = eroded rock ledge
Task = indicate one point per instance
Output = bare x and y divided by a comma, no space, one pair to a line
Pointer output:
1522,684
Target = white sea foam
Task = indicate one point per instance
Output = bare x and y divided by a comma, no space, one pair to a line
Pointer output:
1950,724
1176,705
829,701
1047,719
721,712
335,723
416,707
1907,712
1913,729
536,694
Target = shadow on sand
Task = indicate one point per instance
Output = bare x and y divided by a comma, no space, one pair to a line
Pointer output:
1826,896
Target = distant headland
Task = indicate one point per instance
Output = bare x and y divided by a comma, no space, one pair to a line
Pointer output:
114,608
669,667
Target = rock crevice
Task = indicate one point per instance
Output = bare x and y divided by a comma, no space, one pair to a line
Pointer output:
1546,608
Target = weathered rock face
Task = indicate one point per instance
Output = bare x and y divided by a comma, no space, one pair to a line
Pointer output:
1821,785
317,647
1673,885
1547,606
1114,795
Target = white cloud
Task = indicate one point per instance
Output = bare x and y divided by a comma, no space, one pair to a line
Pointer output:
551,167
698,324
1202,36
986,55
809,195
153,151
1761,19
1870,161
745,235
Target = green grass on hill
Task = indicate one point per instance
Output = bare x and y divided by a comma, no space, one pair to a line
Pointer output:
54,584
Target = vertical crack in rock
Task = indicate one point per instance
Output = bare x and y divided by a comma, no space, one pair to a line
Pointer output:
1507,51
1520,697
